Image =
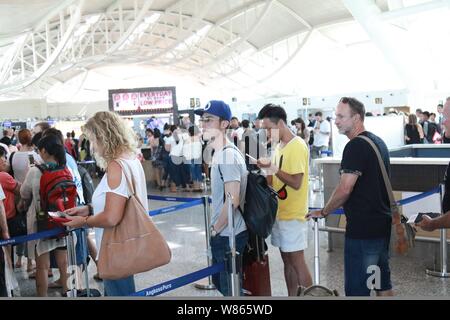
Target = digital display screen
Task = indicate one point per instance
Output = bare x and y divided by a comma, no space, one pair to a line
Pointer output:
142,101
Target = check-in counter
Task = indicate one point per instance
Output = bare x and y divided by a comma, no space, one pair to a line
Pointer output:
147,164
409,176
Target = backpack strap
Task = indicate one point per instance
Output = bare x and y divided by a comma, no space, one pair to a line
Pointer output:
41,167
10,163
221,175
223,149
279,167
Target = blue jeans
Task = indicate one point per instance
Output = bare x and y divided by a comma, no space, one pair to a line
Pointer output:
219,248
196,170
120,287
364,258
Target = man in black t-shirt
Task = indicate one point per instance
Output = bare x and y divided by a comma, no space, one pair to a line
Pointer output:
445,122
362,193
443,221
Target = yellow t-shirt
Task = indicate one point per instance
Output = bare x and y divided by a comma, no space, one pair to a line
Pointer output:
294,159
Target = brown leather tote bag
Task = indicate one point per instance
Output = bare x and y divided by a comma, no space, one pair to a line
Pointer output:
134,245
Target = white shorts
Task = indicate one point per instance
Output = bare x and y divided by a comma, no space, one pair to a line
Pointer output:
290,235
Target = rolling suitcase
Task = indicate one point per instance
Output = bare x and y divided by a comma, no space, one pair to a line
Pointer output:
316,290
76,270
256,272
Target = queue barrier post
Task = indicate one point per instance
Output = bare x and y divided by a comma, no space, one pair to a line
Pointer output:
206,211
442,272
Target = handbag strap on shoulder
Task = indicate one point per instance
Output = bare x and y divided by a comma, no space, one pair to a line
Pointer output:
130,180
387,181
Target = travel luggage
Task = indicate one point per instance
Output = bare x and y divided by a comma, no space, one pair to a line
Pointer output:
76,271
256,272
316,290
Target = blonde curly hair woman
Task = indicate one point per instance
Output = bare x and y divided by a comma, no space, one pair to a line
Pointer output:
114,144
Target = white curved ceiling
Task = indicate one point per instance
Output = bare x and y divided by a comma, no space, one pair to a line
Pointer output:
48,42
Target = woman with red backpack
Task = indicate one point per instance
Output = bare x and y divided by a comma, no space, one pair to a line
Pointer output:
54,156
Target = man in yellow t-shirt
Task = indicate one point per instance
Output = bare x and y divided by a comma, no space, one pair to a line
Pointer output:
288,171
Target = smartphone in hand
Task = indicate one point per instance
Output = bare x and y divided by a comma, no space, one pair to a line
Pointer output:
31,159
420,215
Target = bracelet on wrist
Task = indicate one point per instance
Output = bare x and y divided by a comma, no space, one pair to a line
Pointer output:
86,224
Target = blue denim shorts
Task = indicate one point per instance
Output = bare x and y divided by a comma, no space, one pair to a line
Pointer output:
366,266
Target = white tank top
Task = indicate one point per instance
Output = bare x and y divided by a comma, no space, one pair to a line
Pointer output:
99,196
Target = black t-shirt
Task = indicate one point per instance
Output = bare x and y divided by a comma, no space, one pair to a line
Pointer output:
367,210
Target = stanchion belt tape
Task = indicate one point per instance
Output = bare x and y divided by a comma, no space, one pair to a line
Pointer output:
418,196
175,208
400,202
86,162
337,211
181,281
171,199
34,236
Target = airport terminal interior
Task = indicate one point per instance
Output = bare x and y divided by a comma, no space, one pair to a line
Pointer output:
166,70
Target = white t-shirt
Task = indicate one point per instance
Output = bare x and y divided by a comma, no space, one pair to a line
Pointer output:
21,164
99,196
239,132
321,139
176,149
192,149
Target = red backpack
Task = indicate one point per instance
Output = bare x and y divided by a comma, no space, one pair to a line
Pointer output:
57,192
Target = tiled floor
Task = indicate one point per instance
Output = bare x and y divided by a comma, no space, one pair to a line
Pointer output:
184,230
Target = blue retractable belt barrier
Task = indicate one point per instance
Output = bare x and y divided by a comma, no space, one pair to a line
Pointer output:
175,208
337,211
172,199
400,202
34,236
180,282
418,196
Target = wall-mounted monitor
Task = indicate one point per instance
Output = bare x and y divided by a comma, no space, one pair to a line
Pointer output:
143,101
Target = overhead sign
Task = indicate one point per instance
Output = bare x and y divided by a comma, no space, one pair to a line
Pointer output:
141,101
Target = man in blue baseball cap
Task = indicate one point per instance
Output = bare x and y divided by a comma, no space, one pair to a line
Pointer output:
217,108
228,175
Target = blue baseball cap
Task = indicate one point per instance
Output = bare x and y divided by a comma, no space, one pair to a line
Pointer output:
217,108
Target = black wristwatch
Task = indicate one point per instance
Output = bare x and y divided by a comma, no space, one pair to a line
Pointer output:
91,209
